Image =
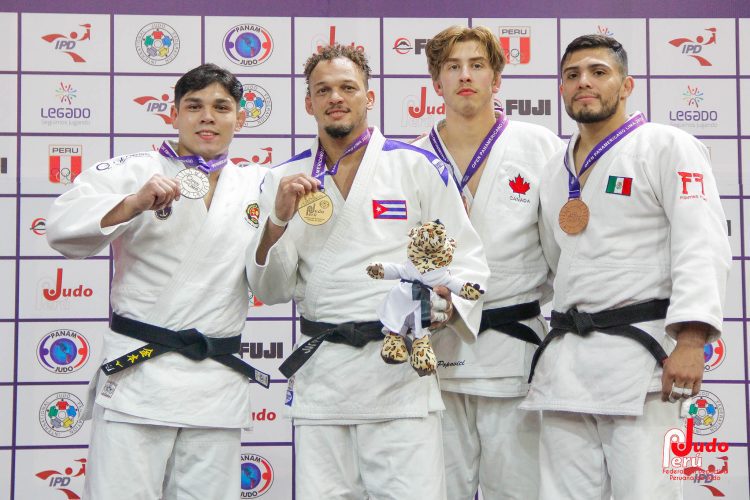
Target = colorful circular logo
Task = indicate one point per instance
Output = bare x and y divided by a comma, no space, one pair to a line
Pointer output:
157,44
59,415
252,214
248,44
257,104
256,475
714,354
63,351
707,412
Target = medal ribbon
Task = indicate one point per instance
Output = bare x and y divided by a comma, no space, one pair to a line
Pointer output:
484,148
319,164
574,185
194,160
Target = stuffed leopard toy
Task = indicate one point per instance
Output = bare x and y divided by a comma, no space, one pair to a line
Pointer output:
407,306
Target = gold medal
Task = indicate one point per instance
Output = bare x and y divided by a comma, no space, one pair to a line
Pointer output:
315,208
574,216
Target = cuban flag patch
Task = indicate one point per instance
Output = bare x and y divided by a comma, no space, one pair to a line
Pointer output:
389,209
619,185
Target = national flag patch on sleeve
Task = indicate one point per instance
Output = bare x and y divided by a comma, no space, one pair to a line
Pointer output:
619,185
389,209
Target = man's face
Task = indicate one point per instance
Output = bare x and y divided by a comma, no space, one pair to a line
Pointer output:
339,99
207,120
467,82
593,88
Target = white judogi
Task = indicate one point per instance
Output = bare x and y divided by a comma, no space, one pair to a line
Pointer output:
324,269
399,311
483,383
178,273
664,237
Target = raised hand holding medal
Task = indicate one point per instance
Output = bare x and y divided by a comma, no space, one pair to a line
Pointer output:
316,207
193,179
574,215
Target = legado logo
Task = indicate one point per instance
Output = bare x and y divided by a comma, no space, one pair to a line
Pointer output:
66,44
69,115
60,480
256,475
63,351
54,294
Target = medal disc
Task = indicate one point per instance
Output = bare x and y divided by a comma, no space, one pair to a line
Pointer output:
574,216
315,208
193,183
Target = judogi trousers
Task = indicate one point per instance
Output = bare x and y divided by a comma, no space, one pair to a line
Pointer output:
399,459
596,457
489,442
149,462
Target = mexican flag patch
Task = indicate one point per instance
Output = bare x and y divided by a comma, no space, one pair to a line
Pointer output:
619,185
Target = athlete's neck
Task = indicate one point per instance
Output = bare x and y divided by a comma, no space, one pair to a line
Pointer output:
459,131
336,146
592,134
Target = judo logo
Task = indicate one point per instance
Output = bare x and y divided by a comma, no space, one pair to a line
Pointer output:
707,413
60,480
248,44
256,102
714,354
157,44
256,475
685,459
692,47
63,351
59,415
252,214
66,43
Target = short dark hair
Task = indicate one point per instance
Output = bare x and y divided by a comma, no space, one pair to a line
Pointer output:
595,42
331,52
203,76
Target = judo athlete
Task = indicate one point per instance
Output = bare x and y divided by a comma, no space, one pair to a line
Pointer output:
497,164
364,428
170,399
633,228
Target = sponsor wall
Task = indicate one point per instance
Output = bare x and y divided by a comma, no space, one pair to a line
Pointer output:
81,88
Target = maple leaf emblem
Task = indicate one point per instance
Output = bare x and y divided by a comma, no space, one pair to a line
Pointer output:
519,185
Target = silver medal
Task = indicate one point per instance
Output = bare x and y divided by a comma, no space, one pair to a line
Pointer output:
193,183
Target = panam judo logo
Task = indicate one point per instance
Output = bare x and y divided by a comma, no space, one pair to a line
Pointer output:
63,351
256,102
59,414
256,475
248,44
157,44
714,354
60,479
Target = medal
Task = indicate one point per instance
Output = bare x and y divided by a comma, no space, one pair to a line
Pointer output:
193,183
315,208
574,216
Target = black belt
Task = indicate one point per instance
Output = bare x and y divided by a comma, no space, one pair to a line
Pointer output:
190,343
506,320
353,334
613,321
421,292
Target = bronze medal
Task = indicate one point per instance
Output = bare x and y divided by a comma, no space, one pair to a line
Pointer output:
574,216
315,208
